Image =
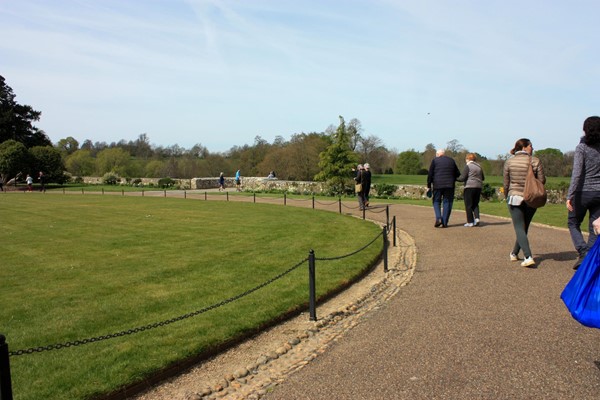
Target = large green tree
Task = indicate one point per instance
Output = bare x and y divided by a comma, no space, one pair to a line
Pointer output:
337,161
14,159
408,163
16,120
48,160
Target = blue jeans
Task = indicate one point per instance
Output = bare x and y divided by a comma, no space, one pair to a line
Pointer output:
445,197
582,203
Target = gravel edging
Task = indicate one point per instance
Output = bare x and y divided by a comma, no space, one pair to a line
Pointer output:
252,368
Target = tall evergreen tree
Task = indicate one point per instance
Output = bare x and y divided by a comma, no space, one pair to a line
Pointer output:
337,161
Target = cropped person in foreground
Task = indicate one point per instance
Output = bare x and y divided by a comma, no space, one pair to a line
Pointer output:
584,191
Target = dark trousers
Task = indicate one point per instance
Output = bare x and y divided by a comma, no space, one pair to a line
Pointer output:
472,196
443,197
521,218
582,203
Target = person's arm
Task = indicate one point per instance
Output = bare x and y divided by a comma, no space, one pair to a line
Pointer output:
465,174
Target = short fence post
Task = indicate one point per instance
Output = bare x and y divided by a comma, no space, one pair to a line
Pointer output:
254,196
284,199
81,191
364,210
340,204
122,192
5,381
63,190
227,195
394,231
313,202
185,194
387,215
102,190
165,193
385,250
312,286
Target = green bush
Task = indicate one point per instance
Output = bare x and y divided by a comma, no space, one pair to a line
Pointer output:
385,189
110,178
488,192
166,183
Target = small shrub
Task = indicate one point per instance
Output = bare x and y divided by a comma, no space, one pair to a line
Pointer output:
385,189
488,192
136,182
110,179
166,183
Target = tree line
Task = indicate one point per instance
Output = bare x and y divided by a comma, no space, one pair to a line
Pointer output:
328,155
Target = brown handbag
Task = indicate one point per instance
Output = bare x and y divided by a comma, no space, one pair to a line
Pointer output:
534,194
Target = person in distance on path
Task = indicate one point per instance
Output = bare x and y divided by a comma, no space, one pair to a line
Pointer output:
442,178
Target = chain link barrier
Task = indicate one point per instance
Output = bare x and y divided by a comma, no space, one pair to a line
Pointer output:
350,254
156,324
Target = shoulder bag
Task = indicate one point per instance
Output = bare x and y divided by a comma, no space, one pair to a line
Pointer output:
534,194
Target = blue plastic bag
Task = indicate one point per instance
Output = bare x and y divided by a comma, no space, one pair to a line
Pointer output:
582,293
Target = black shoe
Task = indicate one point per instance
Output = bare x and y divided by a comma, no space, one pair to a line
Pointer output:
438,223
579,261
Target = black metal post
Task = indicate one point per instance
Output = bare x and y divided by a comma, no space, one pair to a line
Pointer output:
227,195
364,210
284,199
313,202
5,381
185,194
385,250
165,193
394,231
254,195
387,215
312,298
340,204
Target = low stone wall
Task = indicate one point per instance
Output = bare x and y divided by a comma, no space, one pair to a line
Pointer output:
261,184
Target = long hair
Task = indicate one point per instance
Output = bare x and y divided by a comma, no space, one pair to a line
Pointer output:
520,145
591,128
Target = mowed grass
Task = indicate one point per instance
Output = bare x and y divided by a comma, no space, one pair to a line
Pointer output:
77,267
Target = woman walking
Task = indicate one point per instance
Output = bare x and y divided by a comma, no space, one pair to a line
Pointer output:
515,174
473,177
584,191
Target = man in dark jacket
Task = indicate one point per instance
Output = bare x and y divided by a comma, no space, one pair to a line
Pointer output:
442,175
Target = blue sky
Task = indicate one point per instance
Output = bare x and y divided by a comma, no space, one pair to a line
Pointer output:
222,72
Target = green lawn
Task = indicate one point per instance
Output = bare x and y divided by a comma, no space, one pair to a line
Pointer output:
78,267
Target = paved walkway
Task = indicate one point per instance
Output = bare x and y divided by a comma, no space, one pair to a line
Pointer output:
470,325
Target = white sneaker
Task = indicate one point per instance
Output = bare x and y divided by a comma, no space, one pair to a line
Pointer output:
514,257
469,225
528,262
476,222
